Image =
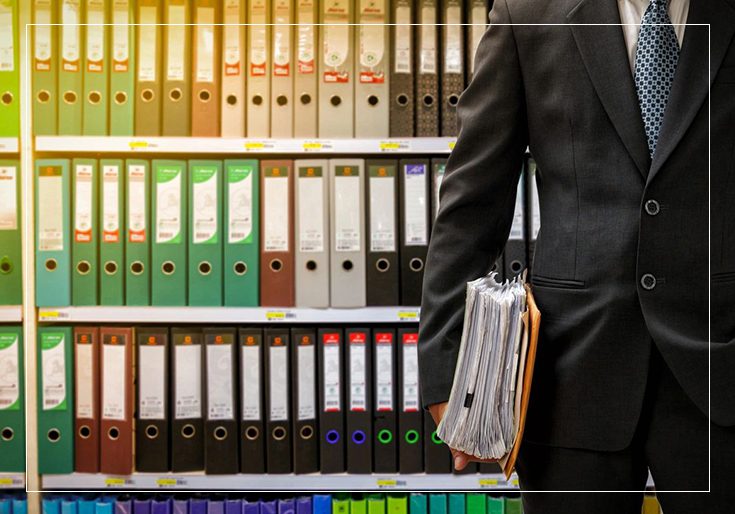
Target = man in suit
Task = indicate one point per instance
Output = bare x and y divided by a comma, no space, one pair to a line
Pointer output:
618,121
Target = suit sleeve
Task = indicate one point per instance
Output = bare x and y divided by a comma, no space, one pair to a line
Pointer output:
477,200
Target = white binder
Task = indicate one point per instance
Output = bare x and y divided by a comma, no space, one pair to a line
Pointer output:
311,231
282,70
347,232
233,69
372,55
305,76
259,68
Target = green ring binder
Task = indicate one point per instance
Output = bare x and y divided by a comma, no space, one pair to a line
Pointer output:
385,436
412,436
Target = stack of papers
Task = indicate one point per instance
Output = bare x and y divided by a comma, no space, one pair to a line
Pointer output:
486,408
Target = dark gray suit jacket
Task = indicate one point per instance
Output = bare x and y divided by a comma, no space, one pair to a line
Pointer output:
567,91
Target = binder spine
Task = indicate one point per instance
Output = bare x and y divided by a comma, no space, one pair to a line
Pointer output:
331,401
278,402
304,394
252,433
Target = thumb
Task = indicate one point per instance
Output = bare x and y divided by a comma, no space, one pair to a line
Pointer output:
460,460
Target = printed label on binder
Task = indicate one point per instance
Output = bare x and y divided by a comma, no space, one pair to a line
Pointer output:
42,36
219,377
204,180
113,381
188,382
358,381
306,395
305,37
382,209
258,38
205,44
240,202
147,48
331,373
111,210
168,198
311,209
9,383
232,38
7,57
53,371
176,56
83,203
250,380
120,36
50,204
152,382
136,204
416,223
70,39
384,371
278,383
410,372
95,36
347,209
85,372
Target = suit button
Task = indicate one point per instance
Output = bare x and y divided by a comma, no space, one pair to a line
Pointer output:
648,281
652,207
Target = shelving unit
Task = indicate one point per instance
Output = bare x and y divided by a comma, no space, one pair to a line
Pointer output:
11,313
9,145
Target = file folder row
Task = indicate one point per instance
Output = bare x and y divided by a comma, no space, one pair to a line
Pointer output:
13,503
12,400
11,285
250,68
376,503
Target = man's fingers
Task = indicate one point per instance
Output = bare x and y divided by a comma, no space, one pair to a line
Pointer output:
461,460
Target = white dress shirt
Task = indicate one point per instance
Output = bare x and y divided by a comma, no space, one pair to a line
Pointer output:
631,13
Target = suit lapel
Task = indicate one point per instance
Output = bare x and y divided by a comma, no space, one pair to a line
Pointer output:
693,79
602,47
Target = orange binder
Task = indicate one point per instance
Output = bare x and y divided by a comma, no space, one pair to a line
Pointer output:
206,74
87,400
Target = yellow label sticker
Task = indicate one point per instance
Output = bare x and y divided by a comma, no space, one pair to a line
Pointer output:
485,482
451,145
514,482
135,145
167,482
46,315
254,145
312,145
390,145
113,482
387,483
408,315
6,481
273,315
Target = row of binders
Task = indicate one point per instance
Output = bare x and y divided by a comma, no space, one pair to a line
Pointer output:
377,503
12,401
13,503
252,68
233,400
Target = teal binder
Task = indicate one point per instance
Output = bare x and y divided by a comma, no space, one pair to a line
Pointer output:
456,503
418,504
85,241
11,282
138,233
111,230
495,505
438,504
12,401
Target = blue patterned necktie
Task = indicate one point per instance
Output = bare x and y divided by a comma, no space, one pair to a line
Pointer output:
655,64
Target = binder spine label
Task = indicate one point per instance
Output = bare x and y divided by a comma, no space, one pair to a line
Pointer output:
147,44
152,382
332,372
416,229
219,381
307,368
402,49
240,201
205,44
311,209
111,204
137,229
53,371
42,43
358,382
427,54
453,39
384,372
336,41
275,201
176,55
7,55
83,204
232,53
372,41
278,382
205,205
347,209
10,383
250,364
120,36
168,196
410,372
70,30
51,208
305,37
282,39
382,209
8,198
84,370
258,38
113,378
95,36
188,401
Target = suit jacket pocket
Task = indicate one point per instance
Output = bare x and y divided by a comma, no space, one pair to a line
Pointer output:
723,276
556,283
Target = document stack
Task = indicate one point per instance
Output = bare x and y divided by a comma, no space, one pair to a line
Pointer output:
486,410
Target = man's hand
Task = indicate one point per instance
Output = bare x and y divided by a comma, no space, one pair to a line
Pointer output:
459,458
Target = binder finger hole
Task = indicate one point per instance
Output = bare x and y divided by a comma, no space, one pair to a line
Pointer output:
240,268
252,433
385,436
6,266
110,268
257,100
347,265
306,432
168,268
516,266
305,98
84,267
231,100
412,437
358,437
373,100
428,100
335,100
205,95
7,98
7,434
281,100
70,97
279,433
43,96
137,268
382,265
205,268
435,438
220,433
188,431
51,264
85,432
416,264
453,100
113,433
147,95
121,98
332,437
311,265
175,94
151,432
53,435
94,97
276,265
402,100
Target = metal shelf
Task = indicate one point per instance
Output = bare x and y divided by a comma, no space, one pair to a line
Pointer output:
315,482
12,481
213,145
11,313
236,315
9,145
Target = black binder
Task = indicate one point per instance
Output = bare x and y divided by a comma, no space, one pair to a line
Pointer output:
415,226
515,248
305,400
383,279
358,382
437,457
187,410
277,401
402,69
252,434
410,422
152,432
385,400
331,400
221,430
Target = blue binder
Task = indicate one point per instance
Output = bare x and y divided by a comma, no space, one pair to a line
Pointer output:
51,505
322,503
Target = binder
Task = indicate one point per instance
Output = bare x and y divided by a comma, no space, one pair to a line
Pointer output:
70,507
410,444
336,55
375,504
286,506
252,434
11,285
311,232
277,255
12,400
414,199
176,94
359,400
205,233
331,401
495,505
161,506
187,426
533,209
383,279
116,400
437,457
438,503
242,222
358,505
221,426
515,248
70,79
180,505
305,75
148,73
45,67
452,65
215,506
322,503
142,506
456,503
268,507
10,71
168,250
152,428
304,505
205,119
233,69
397,504
56,392
111,230
385,405
303,392
282,74
53,242
84,246
427,69
476,503
418,504
86,506
513,505
96,69
402,78
87,400
438,167
277,401
233,506
259,68
249,507
20,505
122,68
51,505
347,233
341,503
138,233
478,20
123,504
372,52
